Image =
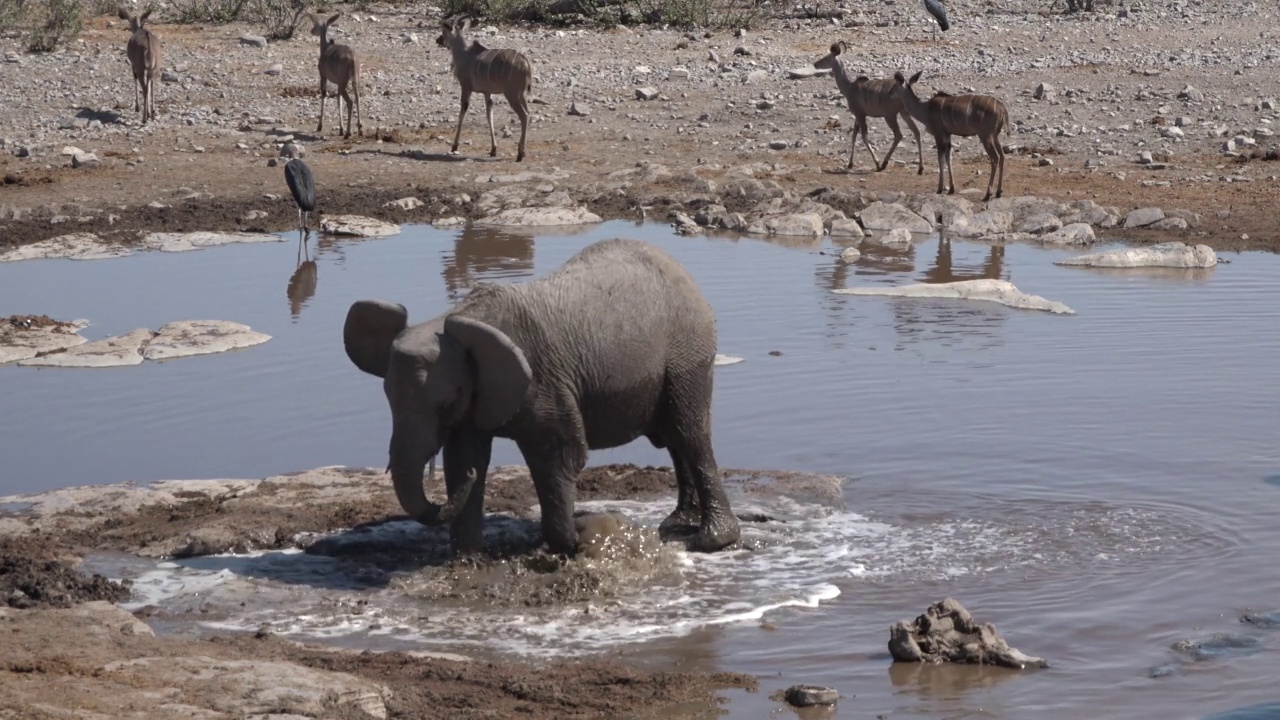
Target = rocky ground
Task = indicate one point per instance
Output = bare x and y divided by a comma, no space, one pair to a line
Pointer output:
1139,105
67,652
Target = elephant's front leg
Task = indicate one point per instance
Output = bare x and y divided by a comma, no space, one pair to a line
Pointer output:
554,466
466,451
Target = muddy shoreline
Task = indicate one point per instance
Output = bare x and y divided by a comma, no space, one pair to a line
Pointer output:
44,537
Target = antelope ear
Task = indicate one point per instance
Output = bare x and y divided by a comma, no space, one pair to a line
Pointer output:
916,77
897,77
142,18
333,19
123,15
466,23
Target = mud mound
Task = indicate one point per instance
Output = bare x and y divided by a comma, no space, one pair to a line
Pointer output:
606,482
37,322
30,578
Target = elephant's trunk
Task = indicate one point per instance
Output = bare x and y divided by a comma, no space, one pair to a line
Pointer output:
406,466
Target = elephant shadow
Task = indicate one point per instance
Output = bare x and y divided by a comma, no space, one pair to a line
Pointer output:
370,555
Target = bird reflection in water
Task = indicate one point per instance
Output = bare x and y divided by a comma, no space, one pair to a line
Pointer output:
486,254
302,284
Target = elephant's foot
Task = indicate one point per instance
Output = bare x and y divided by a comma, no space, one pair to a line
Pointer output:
716,533
681,521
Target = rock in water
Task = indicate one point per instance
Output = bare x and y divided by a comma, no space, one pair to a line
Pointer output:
998,291
946,632
1164,255
810,695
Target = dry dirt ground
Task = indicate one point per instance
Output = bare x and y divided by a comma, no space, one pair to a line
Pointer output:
1177,81
67,652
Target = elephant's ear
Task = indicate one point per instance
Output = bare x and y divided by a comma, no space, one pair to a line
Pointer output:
502,369
371,326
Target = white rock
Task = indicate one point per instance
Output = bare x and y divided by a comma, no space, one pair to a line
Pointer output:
890,216
646,93
987,222
201,337
679,73
846,228
357,226
728,359
454,221
1040,224
404,203
540,217
998,291
806,71
1073,234
899,238
791,225
850,255
77,246
1143,216
187,242
1164,255
116,351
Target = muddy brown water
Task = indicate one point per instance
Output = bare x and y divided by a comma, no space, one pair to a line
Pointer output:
1100,486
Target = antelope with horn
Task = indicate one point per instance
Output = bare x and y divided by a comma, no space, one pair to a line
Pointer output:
870,98
340,66
144,58
483,70
944,115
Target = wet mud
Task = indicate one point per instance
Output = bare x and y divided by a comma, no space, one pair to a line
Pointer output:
49,672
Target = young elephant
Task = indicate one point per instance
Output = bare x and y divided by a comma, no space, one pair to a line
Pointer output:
615,344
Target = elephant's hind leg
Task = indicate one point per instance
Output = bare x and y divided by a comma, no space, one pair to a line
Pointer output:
687,516
687,433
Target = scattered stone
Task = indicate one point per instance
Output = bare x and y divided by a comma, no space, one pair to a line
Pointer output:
1044,91
890,216
998,291
778,145
276,69
201,337
946,632
897,238
117,351
1072,234
757,76
1039,224
404,203
679,73
454,221
646,93
84,160
579,110
1143,217
540,217
987,222
846,228
806,71
253,215
357,226
253,40
76,246
1165,255
810,695
1191,94
791,224
1145,158
850,255
1267,620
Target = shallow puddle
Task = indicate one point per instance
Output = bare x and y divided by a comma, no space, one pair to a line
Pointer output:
1100,486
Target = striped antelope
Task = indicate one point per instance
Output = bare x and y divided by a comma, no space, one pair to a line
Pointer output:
870,98
479,69
944,115
340,66
144,58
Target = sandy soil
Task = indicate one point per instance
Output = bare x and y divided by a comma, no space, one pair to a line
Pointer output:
66,651
1116,87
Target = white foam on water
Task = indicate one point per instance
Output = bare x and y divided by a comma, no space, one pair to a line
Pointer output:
797,559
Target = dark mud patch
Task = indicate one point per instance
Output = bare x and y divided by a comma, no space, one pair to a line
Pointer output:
37,322
30,577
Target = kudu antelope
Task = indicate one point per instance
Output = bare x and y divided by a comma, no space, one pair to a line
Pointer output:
870,98
480,69
144,58
944,115
340,66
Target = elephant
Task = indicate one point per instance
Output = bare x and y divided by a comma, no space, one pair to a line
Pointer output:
615,344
